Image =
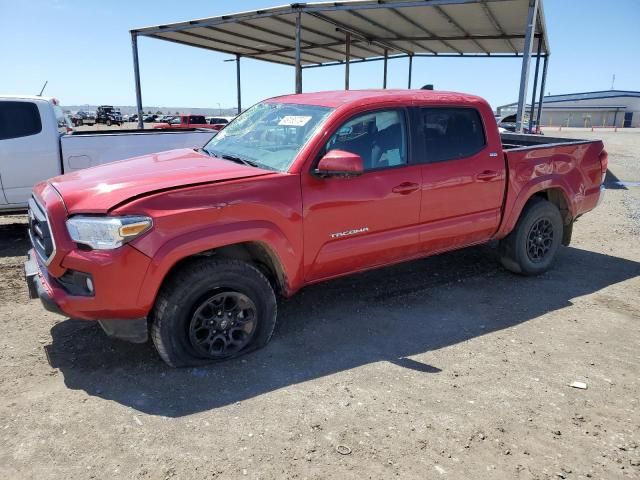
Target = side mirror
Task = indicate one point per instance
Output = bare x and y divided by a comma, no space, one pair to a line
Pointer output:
338,163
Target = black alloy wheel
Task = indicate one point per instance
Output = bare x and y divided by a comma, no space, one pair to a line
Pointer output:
222,325
540,240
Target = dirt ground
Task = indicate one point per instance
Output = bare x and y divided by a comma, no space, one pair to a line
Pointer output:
448,367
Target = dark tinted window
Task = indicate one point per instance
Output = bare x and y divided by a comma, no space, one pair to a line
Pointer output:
19,119
378,137
197,119
452,133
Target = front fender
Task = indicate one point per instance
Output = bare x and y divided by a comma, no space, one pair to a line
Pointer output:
206,239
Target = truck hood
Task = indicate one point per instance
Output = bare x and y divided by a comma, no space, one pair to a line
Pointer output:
99,189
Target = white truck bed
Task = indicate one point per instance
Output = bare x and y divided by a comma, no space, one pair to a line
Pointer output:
88,149
35,145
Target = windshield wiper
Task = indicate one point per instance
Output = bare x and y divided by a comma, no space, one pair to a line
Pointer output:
236,159
242,161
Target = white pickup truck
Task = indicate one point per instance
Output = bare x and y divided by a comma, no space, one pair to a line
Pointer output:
37,142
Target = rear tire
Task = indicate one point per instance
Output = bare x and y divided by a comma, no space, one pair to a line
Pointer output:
531,248
212,310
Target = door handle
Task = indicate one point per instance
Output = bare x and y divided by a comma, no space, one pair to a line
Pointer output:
405,188
487,175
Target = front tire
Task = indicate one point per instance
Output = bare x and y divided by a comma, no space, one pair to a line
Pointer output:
531,248
212,310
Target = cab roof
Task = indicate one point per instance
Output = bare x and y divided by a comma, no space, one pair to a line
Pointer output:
338,98
28,97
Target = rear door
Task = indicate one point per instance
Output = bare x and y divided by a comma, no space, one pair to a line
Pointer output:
463,178
29,147
360,222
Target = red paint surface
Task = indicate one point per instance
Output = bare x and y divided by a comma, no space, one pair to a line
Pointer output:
198,203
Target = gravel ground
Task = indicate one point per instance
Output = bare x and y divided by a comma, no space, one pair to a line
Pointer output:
448,367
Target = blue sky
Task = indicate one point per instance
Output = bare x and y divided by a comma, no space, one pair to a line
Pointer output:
83,48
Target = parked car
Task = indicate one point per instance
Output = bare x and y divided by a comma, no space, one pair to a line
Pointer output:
219,123
108,115
133,118
508,124
186,121
36,144
298,189
83,118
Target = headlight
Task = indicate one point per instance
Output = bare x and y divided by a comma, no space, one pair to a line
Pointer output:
106,233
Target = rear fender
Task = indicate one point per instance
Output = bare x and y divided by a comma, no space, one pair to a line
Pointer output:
536,186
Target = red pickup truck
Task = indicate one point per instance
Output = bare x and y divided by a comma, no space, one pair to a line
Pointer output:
195,246
186,121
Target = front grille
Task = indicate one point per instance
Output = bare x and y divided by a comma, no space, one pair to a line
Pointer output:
39,231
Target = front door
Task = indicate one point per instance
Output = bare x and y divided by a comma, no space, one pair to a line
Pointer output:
360,222
463,179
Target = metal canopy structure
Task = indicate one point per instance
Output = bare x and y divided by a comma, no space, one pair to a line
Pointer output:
310,35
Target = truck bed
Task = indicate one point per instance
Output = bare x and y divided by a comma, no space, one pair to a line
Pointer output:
513,141
87,149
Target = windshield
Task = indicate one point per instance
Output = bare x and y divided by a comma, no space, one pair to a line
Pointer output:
269,134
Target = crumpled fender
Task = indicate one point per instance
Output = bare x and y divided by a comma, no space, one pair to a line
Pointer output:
216,236
514,207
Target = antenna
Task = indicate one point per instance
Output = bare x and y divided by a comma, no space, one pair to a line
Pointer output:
43,87
613,81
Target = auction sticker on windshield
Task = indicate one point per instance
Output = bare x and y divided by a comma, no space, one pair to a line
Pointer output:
294,120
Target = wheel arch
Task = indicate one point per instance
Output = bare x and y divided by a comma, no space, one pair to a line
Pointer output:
556,196
256,253
556,193
262,246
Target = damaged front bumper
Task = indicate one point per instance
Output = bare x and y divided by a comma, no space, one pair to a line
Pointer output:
39,285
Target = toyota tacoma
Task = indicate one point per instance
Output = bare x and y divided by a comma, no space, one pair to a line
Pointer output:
193,247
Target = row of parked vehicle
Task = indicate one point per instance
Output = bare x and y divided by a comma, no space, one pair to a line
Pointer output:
105,114
108,115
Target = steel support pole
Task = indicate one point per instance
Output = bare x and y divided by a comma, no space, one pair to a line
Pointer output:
238,87
526,63
410,70
136,75
543,83
298,61
384,74
347,59
535,87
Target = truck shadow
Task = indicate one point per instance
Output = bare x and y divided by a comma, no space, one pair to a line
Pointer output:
383,315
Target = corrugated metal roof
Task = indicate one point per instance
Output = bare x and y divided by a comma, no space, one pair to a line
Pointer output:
572,97
401,27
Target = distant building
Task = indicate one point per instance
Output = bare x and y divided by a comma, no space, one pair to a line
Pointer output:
608,108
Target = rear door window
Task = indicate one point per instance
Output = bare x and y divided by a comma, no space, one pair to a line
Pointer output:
196,119
19,119
452,133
